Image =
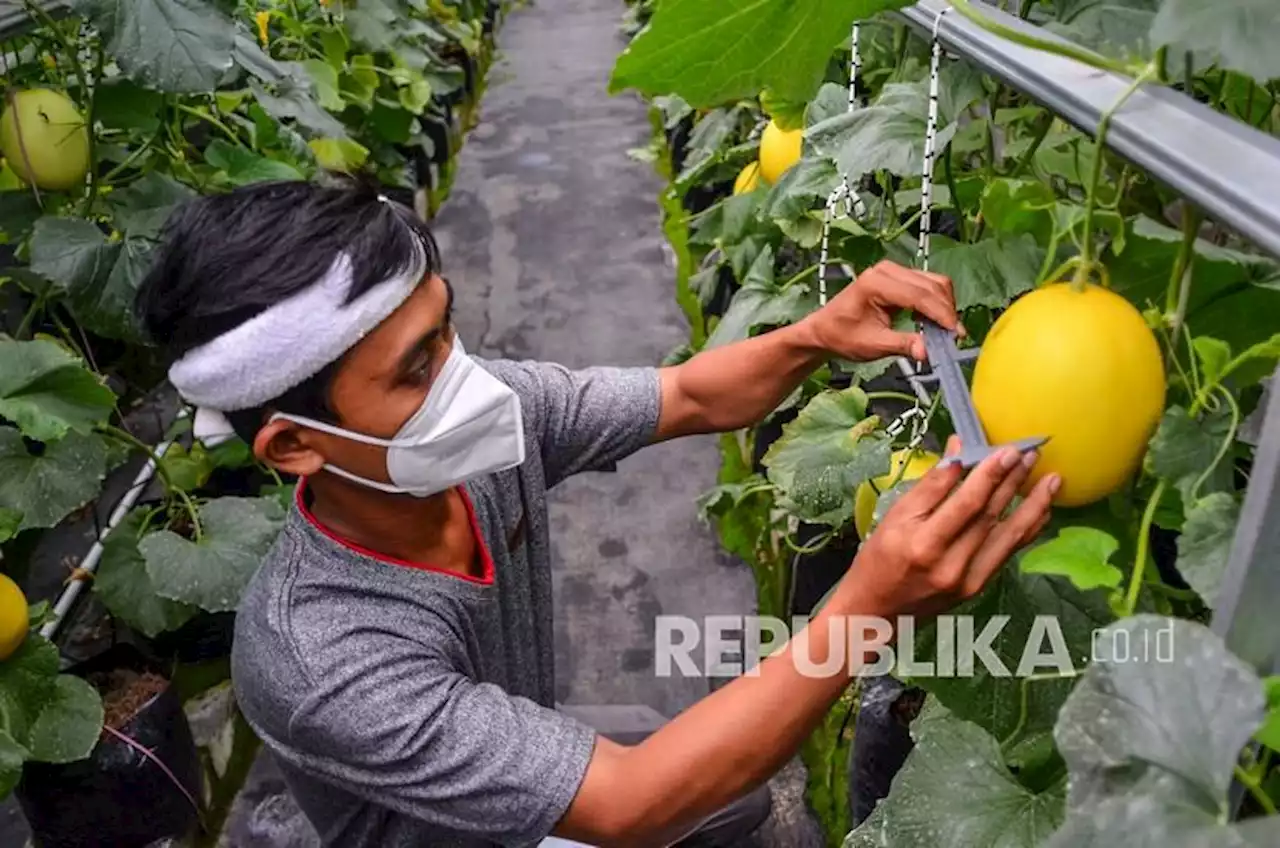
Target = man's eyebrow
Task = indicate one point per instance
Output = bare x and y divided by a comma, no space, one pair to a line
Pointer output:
410,357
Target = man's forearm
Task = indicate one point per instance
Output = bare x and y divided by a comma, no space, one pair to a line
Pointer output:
729,742
735,386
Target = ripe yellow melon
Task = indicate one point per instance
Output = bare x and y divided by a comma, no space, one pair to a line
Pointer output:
1082,368
864,504
14,618
52,149
748,179
779,151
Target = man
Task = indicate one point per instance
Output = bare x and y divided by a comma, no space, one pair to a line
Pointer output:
394,650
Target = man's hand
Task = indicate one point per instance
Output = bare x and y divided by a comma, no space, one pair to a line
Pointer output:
857,323
939,544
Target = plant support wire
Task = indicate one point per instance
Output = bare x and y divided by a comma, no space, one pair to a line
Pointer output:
75,586
1227,168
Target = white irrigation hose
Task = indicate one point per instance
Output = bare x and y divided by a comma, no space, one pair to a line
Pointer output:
71,591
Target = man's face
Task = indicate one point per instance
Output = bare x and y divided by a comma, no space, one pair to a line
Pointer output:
379,384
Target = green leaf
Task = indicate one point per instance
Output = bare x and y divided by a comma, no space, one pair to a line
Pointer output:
1151,736
825,453
1019,206
796,192
54,718
760,302
1257,362
49,487
211,574
1021,617
1080,554
1234,293
955,790
1205,543
187,470
787,114
886,136
292,100
991,272
338,154
712,53
10,522
729,222
1115,28
126,589
394,125
12,756
123,105
325,77
99,278
1269,733
831,100
243,166
1213,356
179,46
1184,448
1235,34
47,392
142,209
712,133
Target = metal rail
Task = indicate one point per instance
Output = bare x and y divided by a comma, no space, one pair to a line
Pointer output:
1227,168
15,19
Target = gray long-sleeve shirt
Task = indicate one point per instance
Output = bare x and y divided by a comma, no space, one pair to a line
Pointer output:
414,707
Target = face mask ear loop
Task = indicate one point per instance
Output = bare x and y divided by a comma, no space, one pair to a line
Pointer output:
332,430
365,481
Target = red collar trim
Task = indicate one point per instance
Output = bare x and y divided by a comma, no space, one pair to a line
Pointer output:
486,578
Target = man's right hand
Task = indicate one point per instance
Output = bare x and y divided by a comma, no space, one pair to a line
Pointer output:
944,539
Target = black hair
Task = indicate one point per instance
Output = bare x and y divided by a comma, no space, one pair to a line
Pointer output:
225,258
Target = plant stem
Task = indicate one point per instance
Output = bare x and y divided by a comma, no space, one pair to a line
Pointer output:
949,175
892,396
1070,51
29,317
1041,134
1091,202
1144,541
205,116
1179,290
1227,441
123,435
1251,783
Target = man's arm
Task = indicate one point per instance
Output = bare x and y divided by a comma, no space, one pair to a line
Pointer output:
931,552
737,385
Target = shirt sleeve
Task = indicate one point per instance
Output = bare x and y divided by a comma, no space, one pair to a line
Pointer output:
586,419
405,731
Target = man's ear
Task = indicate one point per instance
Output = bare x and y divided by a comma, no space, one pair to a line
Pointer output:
283,445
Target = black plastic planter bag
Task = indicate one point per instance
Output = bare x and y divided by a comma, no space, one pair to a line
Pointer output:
881,741
118,797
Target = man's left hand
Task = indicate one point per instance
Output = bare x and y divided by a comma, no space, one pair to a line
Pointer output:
857,324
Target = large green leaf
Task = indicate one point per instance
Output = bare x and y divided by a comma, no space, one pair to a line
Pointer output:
99,278
1233,294
142,208
1205,543
47,392
48,487
180,46
1019,206
51,717
1183,450
991,272
1236,34
825,453
1019,616
1116,28
1151,736
760,302
887,135
242,166
212,573
712,53
796,192
955,790
125,587
1080,554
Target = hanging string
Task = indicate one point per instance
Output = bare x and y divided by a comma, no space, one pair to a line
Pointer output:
930,143
842,193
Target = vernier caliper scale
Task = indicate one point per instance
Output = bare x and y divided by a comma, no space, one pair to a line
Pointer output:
945,358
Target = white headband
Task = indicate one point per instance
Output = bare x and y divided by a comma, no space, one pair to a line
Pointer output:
282,346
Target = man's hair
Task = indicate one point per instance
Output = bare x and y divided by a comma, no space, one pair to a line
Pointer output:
225,258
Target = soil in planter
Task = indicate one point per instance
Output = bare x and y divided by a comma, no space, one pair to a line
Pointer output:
124,693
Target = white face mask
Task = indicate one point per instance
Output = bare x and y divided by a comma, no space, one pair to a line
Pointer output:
469,424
